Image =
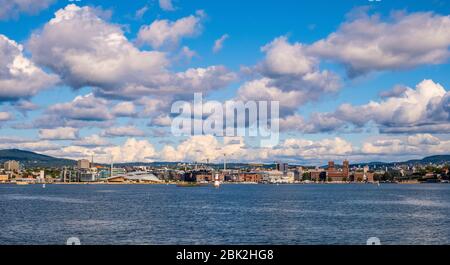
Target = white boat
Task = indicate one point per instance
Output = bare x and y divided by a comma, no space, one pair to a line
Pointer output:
43,186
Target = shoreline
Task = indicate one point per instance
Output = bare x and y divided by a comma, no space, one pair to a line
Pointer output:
206,184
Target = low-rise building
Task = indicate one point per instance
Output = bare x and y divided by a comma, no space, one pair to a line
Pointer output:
254,177
4,178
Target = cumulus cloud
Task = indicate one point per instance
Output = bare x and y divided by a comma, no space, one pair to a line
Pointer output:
187,53
124,109
131,150
201,148
423,106
165,32
86,50
367,43
166,5
61,133
84,108
218,44
13,8
141,12
125,131
29,144
283,58
19,77
291,75
91,141
419,145
162,120
25,105
5,116
395,92
424,109
264,89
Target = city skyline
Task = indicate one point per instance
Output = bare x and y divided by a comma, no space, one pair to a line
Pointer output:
363,81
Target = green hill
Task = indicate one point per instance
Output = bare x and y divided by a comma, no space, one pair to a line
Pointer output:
31,159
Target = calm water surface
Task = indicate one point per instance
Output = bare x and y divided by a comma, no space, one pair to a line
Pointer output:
233,214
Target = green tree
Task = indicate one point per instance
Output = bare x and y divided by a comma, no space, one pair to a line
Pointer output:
306,176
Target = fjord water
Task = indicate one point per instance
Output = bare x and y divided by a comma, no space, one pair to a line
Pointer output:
233,214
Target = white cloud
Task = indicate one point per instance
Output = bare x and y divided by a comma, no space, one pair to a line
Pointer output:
283,58
5,116
85,50
165,32
91,141
124,109
12,8
423,139
61,133
264,89
166,5
25,105
84,108
419,145
141,12
125,131
133,150
424,109
19,77
291,75
421,107
187,53
218,44
162,120
203,147
313,150
405,40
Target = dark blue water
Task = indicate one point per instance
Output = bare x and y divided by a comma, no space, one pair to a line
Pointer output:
233,214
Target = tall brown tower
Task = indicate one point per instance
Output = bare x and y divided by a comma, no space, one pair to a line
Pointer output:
330,165
345,168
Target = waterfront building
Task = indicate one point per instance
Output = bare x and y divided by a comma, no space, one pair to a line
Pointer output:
87,175
254,177
276,176
316,174
136,177
362,176
335,174
11,165
4,178
83,164
203,177
283,167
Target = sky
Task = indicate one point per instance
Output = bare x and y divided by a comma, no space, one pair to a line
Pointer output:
355,79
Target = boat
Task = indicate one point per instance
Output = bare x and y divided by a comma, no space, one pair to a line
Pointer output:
43,185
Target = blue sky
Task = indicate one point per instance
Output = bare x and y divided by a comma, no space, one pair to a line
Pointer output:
322,119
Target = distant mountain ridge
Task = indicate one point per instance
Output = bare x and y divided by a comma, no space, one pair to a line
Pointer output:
432,159
31,159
